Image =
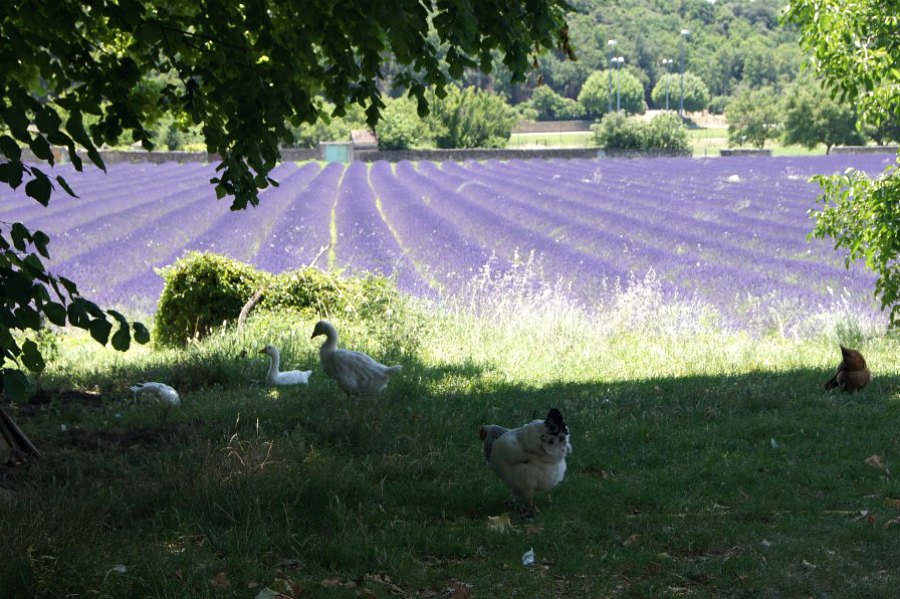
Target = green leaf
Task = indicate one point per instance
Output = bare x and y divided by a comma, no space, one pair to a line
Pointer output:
78,316
11,173
15,384
28,318
41,148
40,241
15,118
34,266
118,316
65,185
100,329
56,313
10,148
39,188
31,356
20,236
141,334
121,339
17,287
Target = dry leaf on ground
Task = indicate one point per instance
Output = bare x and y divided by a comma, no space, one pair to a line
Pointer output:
500,523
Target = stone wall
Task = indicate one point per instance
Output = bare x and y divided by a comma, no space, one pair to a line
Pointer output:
472,154
551,126
300,154
745,152
864,150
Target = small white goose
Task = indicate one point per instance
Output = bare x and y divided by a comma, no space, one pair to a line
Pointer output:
354,372
274,378
162,391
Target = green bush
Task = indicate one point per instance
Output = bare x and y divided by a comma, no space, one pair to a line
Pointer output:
663,132
204,291
317,293
618,132
200,292
470,118
400,127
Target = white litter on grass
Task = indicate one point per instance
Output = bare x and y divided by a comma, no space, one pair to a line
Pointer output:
774,443
118,569
528,557
734,179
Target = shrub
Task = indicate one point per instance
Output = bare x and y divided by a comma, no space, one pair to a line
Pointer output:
316,293
663,132
400,127
204,291
470,118
200,292
616,131
718,103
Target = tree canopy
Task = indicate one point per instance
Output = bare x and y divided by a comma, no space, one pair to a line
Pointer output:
80,75
855,49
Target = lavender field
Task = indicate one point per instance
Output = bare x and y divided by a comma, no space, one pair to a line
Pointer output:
729,232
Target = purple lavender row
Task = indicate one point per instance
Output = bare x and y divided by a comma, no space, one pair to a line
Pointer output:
112,220
240,234
811,276
365,242
88,221
236,234
749,281
95,188
798,240
303,228
442,255
561,263
127,276
726,237
655,200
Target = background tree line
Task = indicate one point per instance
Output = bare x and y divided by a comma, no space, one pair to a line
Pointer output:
739,59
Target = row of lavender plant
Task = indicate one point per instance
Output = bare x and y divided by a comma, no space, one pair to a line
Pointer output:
808,276
731,230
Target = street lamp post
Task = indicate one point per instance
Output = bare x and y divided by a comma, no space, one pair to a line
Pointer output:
619,60
667,62
612,47
684,34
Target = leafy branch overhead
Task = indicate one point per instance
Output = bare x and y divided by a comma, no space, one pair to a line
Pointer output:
243,69
80,75
855,49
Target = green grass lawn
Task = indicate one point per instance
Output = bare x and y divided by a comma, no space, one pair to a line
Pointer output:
561,139
707,462
704,142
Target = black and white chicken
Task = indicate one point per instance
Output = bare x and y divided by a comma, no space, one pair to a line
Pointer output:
530,458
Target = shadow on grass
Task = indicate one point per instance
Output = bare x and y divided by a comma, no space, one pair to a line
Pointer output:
710,484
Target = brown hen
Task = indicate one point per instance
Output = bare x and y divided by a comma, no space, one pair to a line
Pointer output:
852,373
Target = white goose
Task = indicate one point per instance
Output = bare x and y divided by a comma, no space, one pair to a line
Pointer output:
274,378
162,391
354,372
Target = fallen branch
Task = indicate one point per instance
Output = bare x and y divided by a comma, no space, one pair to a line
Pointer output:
249,306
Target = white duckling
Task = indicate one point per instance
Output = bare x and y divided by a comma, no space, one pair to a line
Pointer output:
162,391
275,378
354,372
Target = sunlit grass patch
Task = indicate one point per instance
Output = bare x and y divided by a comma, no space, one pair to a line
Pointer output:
707,458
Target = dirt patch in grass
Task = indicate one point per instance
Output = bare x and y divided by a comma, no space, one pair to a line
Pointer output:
43,400
125,438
